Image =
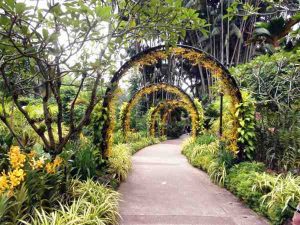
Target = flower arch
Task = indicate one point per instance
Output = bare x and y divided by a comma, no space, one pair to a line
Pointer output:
152,56
168,106
186,101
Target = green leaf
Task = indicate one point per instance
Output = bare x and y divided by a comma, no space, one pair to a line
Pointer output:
4,21
20,8
45,33
53,37
104,12
10,3
242,123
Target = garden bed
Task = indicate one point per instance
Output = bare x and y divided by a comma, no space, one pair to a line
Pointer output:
267,193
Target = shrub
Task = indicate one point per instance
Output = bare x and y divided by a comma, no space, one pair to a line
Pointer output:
266,193
205,139
83,156
144,142
208,157
93,204
240,179
119,137
119,162
14,208
279,191
29,180
273,81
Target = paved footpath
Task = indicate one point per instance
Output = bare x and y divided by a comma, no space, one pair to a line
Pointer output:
163,188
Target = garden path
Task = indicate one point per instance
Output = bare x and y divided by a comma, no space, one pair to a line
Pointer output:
163,188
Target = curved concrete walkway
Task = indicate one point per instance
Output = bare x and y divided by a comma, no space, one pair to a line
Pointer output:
164,189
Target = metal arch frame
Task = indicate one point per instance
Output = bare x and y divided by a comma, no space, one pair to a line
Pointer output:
149,89
171,105
106,140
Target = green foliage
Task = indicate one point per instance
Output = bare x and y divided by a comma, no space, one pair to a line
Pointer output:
245,112
144,142
279,191
38,190
175,127
14,208
271,78
83,157
200,110
273,81
122,114
205,139
93,204
43,189
240,180
137,140
266,193
119,162
149,118
204,153
6,140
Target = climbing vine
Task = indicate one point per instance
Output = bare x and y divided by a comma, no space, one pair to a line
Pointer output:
149,116
112,118
247,124
200,110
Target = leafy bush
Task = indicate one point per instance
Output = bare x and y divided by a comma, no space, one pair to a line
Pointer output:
207,157
83,157
205,139
245,112
240,180
14,208
29,180
93,204
175,129
144,142
279,191
118,137
120,161
265,193
273,81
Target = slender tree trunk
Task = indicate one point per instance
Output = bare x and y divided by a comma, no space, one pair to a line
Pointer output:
222,32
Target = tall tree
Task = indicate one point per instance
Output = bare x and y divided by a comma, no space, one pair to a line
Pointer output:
42,45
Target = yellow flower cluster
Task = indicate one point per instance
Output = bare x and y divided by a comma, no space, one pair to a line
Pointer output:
16,177
51,167
37,164
111,120
12,179
16,158
151,58
4,183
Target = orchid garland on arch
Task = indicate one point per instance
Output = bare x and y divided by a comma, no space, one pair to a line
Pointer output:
190,54
168,106
185,99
